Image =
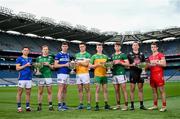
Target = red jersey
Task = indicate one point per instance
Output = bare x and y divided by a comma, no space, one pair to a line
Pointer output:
156,77
156,68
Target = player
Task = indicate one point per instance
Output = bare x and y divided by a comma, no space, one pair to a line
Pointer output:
157,62
82,75
119,62
136,57
62,64
97,62
45,79
23,65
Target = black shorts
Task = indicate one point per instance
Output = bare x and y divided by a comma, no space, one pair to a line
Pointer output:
135,77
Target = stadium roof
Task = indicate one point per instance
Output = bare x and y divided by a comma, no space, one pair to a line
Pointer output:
27,23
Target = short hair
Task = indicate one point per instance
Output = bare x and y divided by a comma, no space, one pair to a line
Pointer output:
82,43
64,43
25,47
118,43
136,42
154,44
99,44
44,46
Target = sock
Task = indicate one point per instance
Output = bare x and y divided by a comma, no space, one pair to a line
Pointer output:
155,102
19,104
106,103
50,103
97,103
141,103
59,104
164,104
126,103
132,104
27,104
118,102
40,104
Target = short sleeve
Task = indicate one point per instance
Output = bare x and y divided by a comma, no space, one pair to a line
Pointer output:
18,60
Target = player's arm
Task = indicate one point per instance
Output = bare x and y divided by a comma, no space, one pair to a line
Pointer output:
125,63
92,64
50,65
19,67
162,62
84,63
57,65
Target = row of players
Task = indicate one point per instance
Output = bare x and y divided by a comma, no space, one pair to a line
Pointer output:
84,61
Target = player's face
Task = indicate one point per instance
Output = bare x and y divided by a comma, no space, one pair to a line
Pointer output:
64,48
82,48
117,47
154,48
135,46
25,51
45,50
99,48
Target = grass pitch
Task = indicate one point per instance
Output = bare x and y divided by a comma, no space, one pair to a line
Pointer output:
8,107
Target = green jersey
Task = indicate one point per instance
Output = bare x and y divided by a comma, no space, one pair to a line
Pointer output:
45,70
118,69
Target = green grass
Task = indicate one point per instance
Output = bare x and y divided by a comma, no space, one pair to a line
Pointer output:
8,105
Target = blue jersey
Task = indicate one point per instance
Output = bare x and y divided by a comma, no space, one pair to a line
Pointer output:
63,58
24,74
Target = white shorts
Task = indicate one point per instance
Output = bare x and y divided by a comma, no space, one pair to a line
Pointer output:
25,83
44,81
119,79
82,78
63,78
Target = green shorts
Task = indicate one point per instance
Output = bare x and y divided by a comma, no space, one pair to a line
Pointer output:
101,79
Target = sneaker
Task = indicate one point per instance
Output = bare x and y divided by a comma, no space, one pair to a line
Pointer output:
28,109
117,107
96,108
163,109
88,107
51,108
80,107
132,108
143,108
125,108
153,108
19,110
64,107
107,107
60,108
39,108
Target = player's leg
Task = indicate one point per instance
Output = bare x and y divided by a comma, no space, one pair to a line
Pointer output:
64,93
123,87
28,94
60,95
163,98
28,85
49,91
80,91
155,99
105,92
97,96
140,95
132,89
48,82
88,95
117,94
18,98
40,96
